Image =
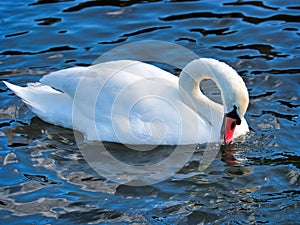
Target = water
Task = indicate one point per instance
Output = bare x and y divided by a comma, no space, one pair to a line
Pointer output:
44,177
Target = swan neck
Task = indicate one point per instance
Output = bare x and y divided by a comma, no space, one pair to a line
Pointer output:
189,84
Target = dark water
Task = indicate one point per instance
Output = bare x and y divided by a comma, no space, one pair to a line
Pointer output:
44,177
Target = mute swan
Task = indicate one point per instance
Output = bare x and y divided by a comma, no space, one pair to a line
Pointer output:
131,102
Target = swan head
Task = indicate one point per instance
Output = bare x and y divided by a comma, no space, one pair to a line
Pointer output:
234,93
235,105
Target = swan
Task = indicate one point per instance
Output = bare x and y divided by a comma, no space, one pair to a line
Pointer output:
132,102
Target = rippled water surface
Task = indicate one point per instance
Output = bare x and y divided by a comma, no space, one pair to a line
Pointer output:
46,180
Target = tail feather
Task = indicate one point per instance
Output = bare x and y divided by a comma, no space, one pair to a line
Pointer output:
47,103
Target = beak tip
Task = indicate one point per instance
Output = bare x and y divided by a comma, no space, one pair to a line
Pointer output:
228,142
230,125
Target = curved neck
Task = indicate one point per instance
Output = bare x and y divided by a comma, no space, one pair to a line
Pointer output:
189,85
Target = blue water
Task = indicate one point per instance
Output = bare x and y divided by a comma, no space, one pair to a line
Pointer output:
46,180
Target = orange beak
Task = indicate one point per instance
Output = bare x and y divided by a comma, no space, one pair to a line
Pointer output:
230,125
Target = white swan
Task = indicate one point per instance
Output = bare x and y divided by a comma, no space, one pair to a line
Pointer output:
132,102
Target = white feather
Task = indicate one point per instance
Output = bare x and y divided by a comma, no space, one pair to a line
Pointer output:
132,102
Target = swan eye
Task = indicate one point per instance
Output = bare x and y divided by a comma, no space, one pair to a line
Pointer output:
233,114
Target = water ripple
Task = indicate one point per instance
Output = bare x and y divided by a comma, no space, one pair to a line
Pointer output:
53,49
265,51
16,34
249,19
222,31
47,21
252,3
124,37
88,4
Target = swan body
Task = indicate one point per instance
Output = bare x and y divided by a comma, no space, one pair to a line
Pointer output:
132,102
